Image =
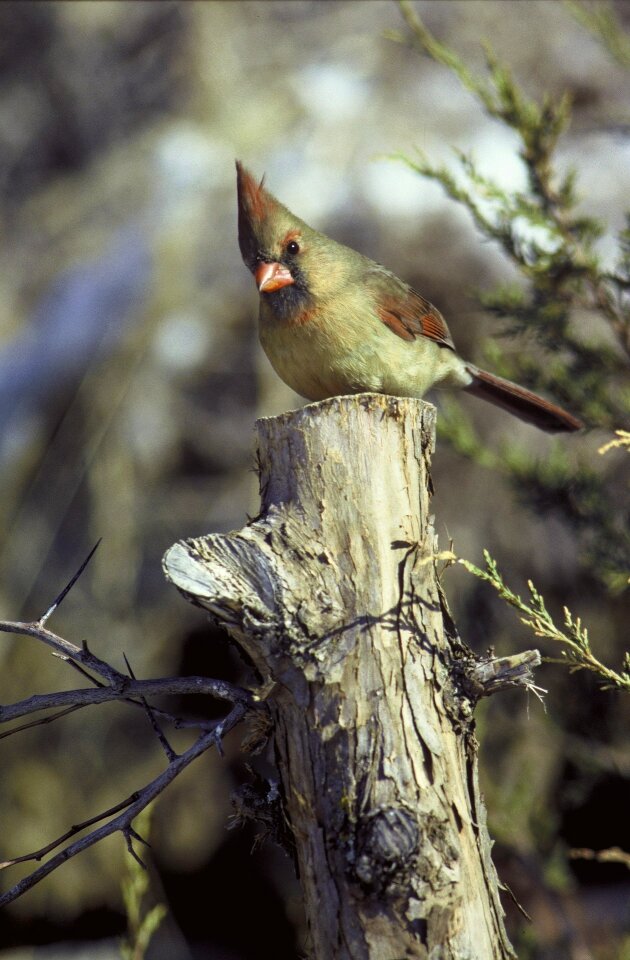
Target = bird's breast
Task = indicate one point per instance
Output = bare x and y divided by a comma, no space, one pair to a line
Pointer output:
344,347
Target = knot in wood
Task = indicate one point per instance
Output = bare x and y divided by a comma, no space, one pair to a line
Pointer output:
387,843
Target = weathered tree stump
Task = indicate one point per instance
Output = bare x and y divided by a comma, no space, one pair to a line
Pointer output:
332,592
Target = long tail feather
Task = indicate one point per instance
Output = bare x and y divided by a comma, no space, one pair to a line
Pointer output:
522,403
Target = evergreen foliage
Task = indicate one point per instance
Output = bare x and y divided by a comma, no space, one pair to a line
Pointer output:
581,363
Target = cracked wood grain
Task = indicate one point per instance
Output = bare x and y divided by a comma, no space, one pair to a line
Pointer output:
332,592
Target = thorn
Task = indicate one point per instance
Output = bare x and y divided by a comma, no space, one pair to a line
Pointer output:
58,600
510,893
130,671
129,836
84,673
157,730
136,836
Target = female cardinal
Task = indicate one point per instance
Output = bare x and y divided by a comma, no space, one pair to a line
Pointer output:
333,322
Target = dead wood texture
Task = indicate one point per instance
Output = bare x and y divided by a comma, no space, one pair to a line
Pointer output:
332,592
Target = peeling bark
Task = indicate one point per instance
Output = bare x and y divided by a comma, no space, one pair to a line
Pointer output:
332,592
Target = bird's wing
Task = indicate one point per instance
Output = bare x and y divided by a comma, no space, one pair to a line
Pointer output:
405,312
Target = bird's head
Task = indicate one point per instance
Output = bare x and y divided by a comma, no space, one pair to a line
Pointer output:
294,266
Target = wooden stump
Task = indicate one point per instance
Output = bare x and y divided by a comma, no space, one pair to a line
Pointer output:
332,592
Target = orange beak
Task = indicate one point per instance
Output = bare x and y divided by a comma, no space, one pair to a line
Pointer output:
272,276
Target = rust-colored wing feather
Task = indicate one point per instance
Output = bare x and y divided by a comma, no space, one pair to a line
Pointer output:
406,313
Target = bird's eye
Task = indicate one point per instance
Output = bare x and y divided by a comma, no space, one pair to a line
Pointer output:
293,247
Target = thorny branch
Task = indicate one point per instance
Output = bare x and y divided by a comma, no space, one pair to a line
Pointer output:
133,689
113,685
137,802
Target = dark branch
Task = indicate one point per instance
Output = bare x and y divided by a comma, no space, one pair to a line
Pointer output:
133,688
64,648
123,822
39,723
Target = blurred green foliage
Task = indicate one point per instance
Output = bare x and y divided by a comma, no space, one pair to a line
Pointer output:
567,314
142,922
554,249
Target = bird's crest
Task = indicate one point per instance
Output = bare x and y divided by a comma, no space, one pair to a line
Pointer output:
253,199
255,207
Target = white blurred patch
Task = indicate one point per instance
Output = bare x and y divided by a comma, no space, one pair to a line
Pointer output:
602,162
397,191
494,151
182,341
188,159
331,92
327,190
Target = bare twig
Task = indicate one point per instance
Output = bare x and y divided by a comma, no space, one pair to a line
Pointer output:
41,722
130,835
123,822
133,688
71,832
79,669
120,687
116,686
64,648
150,712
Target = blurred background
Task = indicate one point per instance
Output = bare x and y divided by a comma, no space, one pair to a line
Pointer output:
130,380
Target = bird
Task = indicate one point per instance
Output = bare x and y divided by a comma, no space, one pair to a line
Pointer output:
333,322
